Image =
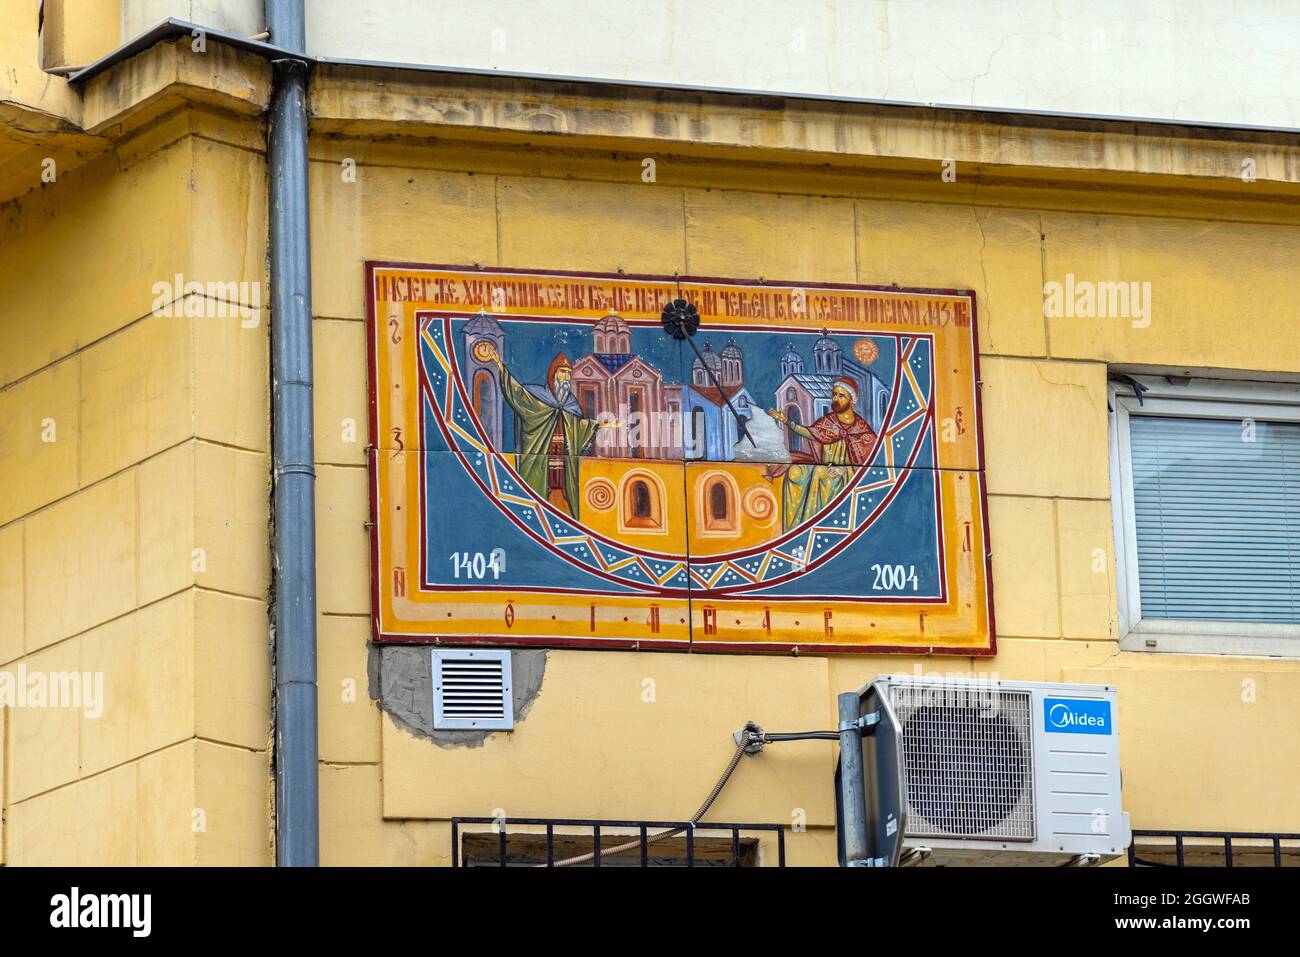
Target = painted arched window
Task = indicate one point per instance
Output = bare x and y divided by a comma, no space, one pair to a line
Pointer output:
719,505
794,439
484,392
640,500
699,434
634,423
791,395
642,503
718,502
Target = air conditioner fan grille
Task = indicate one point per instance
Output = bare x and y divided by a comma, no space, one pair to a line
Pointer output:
968,761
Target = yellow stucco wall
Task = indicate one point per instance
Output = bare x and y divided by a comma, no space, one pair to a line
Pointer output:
1183,719
78,32
162,438
133,516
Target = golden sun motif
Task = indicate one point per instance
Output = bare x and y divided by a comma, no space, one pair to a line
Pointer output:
866,351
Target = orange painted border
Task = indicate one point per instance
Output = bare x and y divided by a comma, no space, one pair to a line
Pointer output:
953,632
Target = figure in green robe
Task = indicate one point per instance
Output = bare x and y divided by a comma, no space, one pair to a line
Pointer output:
552,432
845,439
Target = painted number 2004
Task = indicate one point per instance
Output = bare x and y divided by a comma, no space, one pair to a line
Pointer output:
894,577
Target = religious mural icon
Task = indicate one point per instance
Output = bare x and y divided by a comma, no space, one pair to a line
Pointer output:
581,460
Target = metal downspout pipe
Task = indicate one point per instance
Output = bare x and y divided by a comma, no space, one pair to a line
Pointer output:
297,813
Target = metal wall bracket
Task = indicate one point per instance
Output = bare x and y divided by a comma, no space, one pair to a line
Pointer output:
862,723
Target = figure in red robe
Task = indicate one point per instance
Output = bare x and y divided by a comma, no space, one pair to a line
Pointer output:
844,438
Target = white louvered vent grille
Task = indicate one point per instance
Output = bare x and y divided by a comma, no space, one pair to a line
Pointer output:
471,690
968,757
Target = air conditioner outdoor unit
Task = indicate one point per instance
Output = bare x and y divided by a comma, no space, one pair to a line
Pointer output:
1008,772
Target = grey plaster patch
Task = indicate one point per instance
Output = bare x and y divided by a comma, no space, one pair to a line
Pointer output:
401,680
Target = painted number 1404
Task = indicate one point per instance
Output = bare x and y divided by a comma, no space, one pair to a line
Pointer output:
894,577
477,565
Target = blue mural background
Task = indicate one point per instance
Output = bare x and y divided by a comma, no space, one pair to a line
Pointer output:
461,517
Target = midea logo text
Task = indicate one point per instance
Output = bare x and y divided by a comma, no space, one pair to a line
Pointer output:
1061,716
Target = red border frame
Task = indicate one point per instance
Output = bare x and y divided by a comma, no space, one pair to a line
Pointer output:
690,645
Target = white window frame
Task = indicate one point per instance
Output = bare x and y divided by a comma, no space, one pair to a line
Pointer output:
1201,399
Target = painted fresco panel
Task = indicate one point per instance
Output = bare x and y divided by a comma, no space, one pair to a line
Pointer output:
552,467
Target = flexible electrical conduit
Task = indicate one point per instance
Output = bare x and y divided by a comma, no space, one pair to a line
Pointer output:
673,832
